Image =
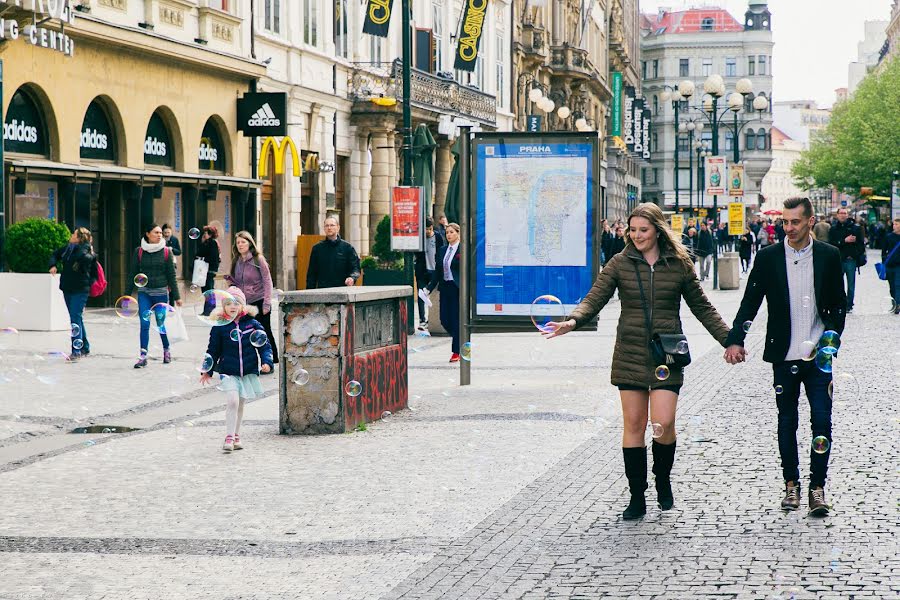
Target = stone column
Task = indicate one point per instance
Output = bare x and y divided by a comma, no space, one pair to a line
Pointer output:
443,166
382,177
357,205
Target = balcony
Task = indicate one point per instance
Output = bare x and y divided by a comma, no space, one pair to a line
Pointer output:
534,42
571,61
441,95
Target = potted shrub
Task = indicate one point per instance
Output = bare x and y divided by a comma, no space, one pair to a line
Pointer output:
384,266
30,296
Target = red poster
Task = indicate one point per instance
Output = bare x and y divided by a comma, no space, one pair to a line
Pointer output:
406,219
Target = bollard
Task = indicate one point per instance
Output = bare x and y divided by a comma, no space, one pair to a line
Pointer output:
729,271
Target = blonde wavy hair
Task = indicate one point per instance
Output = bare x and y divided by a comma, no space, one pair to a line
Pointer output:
667,239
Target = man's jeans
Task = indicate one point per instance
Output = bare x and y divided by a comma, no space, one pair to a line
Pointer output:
145,303
705,264
816,384
849,265
76,303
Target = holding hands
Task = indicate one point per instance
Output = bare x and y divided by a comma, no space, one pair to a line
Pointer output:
735,354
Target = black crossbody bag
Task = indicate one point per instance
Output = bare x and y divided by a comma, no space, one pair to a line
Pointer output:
665,348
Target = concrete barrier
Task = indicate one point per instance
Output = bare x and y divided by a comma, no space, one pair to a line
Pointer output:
729,271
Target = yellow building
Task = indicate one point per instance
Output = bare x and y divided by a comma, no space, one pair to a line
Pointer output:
114,121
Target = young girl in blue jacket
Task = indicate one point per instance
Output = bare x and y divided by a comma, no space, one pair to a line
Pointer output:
239,354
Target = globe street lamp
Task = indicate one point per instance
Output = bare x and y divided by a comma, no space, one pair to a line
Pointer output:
678,94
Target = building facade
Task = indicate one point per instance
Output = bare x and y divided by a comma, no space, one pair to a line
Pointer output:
891,47
868,53
122,114
344,88
800,120
692,45
778,184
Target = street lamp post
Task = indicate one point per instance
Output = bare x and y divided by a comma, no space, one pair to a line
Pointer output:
682,91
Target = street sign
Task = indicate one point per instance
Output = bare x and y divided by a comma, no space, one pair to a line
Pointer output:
534,123
736,218
736,180
716,175
262,114
678,224
279,154
407,219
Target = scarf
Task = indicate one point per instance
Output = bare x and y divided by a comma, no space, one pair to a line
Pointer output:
148,247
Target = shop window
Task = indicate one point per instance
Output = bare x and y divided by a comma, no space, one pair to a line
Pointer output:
98,139
158,147
211,154
25,130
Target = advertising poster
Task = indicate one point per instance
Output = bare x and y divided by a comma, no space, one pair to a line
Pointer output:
615,120
536,201
736,180
407,219
716,175
736,218
678,224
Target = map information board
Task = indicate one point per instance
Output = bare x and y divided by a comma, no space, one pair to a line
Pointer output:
535,218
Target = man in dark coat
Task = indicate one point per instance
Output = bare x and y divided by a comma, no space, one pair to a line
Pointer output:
848,238
333,262
802,284
705,248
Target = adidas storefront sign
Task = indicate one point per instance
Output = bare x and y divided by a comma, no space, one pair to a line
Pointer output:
93,140
264,117
154,147
208,153
20,132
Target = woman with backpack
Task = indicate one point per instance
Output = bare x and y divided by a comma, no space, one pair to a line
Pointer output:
250,273
153,277
79,270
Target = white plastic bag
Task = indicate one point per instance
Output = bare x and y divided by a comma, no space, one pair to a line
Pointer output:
201,269
176,330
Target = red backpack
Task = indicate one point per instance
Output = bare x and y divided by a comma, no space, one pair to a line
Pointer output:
98,286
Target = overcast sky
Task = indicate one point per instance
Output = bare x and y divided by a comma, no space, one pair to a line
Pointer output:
815,40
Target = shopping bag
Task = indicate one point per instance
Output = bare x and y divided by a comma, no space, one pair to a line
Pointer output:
201,269
176,330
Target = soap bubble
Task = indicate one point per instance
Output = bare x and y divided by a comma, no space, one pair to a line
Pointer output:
77,344
682,347
76,330
825,361
830,342
806,302
206,364
235,335
545,309
146,315
779,389
301,377
844,387
808,350
127,306
353,388
216,305
662,372
656,430
9,336
465,351
386,414
141,280
194,233
162,312
747,326
258,339
820,444
794,369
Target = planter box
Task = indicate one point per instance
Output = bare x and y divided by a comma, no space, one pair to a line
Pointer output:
383,277
32,302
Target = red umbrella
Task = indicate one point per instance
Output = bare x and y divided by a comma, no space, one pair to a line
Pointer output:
772,212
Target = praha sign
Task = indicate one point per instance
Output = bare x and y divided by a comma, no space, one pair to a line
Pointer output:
40,36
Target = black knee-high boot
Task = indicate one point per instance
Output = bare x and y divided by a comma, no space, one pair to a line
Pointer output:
663,459
636,472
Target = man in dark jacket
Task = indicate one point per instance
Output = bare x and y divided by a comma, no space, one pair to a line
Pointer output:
333,262
802,284
705,249
845,234
890,257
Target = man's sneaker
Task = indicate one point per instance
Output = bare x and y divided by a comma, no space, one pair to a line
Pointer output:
791,496
141,363
454,357
228,447
167,357
237,443
817,505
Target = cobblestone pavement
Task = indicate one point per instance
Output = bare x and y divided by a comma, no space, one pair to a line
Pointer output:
510,488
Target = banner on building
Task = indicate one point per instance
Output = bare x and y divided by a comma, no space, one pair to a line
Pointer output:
378,17
637,124
262,114
615,119
470,31
278,151
736,213
716,173
678,224
628,117
407,219
645,130
736,180
534,123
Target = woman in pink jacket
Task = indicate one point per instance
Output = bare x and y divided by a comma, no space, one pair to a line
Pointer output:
250,272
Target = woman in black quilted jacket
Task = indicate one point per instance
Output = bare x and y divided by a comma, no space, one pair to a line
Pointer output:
78,264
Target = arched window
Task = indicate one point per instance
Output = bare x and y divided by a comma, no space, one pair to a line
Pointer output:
98,138
761,139
25,127
708,24
748,102
158,147
751,140
729,140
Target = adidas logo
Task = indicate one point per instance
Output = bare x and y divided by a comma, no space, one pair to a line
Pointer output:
208,153
154,147
264,117
20,132
94,140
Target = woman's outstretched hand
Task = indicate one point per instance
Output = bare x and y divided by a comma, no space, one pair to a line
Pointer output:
554,329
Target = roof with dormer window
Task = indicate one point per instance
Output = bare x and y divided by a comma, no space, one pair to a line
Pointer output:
697,20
